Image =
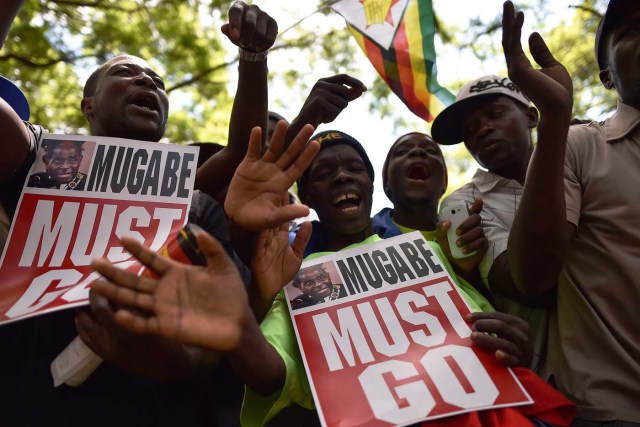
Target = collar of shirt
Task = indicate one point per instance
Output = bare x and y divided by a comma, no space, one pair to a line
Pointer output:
487,181
619,125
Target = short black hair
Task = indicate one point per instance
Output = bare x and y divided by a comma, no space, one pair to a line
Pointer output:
319,267
50,145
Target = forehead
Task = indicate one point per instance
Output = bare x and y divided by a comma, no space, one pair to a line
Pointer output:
415,140
130,61
484,104
309,273
65,146
336,155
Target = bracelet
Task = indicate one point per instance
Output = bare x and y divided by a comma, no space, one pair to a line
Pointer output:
247,55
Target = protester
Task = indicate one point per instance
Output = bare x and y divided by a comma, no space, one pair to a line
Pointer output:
414,177
126,98
494,119
339,184
577,223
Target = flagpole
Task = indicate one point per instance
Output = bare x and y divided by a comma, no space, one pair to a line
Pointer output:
322,7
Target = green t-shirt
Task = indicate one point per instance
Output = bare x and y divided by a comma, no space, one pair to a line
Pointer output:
278,330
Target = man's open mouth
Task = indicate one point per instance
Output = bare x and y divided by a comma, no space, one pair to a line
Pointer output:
348,202
145,100
418,172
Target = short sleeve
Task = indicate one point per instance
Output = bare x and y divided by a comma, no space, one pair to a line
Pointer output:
11,190
572,187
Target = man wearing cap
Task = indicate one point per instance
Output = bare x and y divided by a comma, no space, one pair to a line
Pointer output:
126,98
494,119
577,224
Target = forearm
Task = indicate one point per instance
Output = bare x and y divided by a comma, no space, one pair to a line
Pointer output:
256,362
14,141
259,305
539,241
501,282
8,11
249,110
296,125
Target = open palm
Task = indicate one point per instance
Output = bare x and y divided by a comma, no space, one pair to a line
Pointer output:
204,306
254,199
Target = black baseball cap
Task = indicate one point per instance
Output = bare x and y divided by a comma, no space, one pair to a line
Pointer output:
330,138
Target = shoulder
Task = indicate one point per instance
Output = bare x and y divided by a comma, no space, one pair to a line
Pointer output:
42,180
206,212
383,225
465,193
587,133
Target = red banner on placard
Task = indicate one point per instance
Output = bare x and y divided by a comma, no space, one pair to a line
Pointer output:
398,354
60,227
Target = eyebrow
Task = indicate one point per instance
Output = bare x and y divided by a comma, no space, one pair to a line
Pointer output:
149,71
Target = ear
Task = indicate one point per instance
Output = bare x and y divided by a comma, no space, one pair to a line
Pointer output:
605,78
532,117
86,105
45,159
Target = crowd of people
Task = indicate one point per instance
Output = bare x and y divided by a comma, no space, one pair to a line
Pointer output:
551,267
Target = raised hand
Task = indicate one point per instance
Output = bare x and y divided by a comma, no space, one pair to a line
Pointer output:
139,354
549,88
507,335
274,262
327,99
254,200
471,238
250,28
203,306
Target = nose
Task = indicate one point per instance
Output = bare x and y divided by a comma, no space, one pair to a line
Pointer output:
143,79
418,152
342,176
484,128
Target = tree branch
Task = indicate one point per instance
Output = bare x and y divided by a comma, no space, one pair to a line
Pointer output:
43,64
202,74
98,4
587,9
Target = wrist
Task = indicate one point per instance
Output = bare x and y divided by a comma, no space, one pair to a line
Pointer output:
249,56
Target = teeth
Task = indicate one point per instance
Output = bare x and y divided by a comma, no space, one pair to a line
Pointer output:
350,209
345,197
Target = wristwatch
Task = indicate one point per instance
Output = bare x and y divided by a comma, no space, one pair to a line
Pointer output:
247,55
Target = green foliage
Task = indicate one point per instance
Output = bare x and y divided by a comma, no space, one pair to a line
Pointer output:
55,44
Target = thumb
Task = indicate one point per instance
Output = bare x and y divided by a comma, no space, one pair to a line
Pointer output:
213,251
540,52
441,230
476,207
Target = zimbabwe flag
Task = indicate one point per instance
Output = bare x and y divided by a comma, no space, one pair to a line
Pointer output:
398,38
